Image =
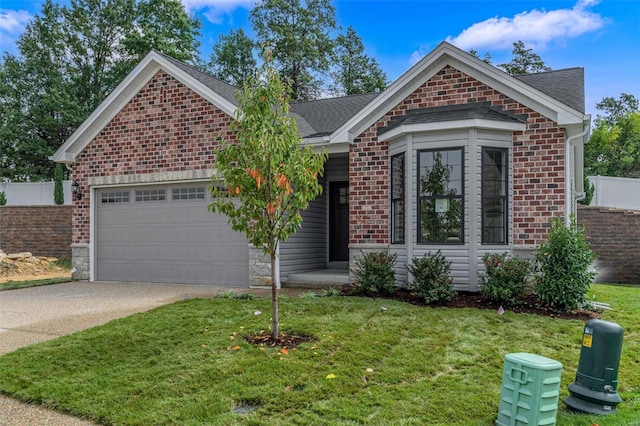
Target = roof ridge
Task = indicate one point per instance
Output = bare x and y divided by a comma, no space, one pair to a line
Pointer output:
334,97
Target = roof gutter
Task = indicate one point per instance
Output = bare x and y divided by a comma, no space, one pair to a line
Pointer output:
576,141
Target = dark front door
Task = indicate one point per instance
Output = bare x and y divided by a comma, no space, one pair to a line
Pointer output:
339,222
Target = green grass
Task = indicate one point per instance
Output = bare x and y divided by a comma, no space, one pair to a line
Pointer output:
186,363
13,285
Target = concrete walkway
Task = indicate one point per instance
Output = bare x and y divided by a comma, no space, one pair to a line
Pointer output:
42,313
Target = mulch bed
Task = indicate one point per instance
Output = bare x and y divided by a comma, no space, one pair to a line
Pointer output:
529,305
285,341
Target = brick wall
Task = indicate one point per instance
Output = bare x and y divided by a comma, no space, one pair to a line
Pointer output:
538,162
614,235
41,230
166,127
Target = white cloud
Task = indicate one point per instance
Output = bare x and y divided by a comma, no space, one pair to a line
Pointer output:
216,10
13,21
536,28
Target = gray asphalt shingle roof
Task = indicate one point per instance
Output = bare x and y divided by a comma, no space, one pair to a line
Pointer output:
476,110
566,85
324,116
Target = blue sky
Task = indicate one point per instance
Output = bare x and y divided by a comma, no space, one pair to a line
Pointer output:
601,36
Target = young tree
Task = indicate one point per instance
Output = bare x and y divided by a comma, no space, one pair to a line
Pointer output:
524,61
356,72
270,178
298,33
614,146
232,58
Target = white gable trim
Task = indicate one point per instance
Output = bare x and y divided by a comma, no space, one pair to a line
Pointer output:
123,93
447,54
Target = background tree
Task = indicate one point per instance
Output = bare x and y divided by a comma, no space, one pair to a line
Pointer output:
298,32
232,58
71,57
524,61
356,72
487,56
614,146
270,178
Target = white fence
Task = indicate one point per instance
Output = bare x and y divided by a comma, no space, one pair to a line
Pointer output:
33,193
615,192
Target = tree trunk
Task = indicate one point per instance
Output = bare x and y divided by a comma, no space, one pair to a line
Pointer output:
274,299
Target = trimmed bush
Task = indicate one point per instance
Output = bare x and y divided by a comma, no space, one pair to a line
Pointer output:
58,190
505,279
564,262
3,199
375,274
431,280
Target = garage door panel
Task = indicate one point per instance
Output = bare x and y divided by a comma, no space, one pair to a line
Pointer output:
169,240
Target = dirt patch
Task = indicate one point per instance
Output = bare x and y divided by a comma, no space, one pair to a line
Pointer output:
27,267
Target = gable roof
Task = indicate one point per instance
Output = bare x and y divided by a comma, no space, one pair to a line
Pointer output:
558,95
566,85
446,54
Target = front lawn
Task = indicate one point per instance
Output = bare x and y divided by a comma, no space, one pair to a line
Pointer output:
187,363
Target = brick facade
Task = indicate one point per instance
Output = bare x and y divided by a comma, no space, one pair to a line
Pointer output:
41,230
614,235
166,127
538,163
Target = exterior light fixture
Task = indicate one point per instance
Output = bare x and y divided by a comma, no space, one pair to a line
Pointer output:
77,193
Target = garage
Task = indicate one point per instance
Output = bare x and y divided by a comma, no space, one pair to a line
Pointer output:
165,234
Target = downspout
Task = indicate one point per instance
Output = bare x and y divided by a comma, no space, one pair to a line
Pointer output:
568,193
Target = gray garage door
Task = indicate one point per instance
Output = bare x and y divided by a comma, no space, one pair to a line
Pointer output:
166,234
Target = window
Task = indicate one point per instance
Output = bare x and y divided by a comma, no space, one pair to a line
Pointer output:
494,196
193,193
114,197
441,196
150,195
397,199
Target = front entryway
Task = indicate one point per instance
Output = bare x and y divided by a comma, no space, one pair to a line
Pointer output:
339,221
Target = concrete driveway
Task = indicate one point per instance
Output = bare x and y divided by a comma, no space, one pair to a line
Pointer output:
42,313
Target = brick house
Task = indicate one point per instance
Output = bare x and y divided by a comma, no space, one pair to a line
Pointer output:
455,155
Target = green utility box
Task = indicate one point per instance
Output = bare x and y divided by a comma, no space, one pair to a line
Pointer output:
530,390
595,388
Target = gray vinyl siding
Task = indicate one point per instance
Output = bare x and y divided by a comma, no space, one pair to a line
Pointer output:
308,249
337,168
401,263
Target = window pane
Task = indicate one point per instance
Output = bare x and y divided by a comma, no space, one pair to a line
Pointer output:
397,199
494,196
441,190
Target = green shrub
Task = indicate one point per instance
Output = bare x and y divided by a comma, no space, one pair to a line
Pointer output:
505,279
564,262
3,198
431,280
375,274
58,190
